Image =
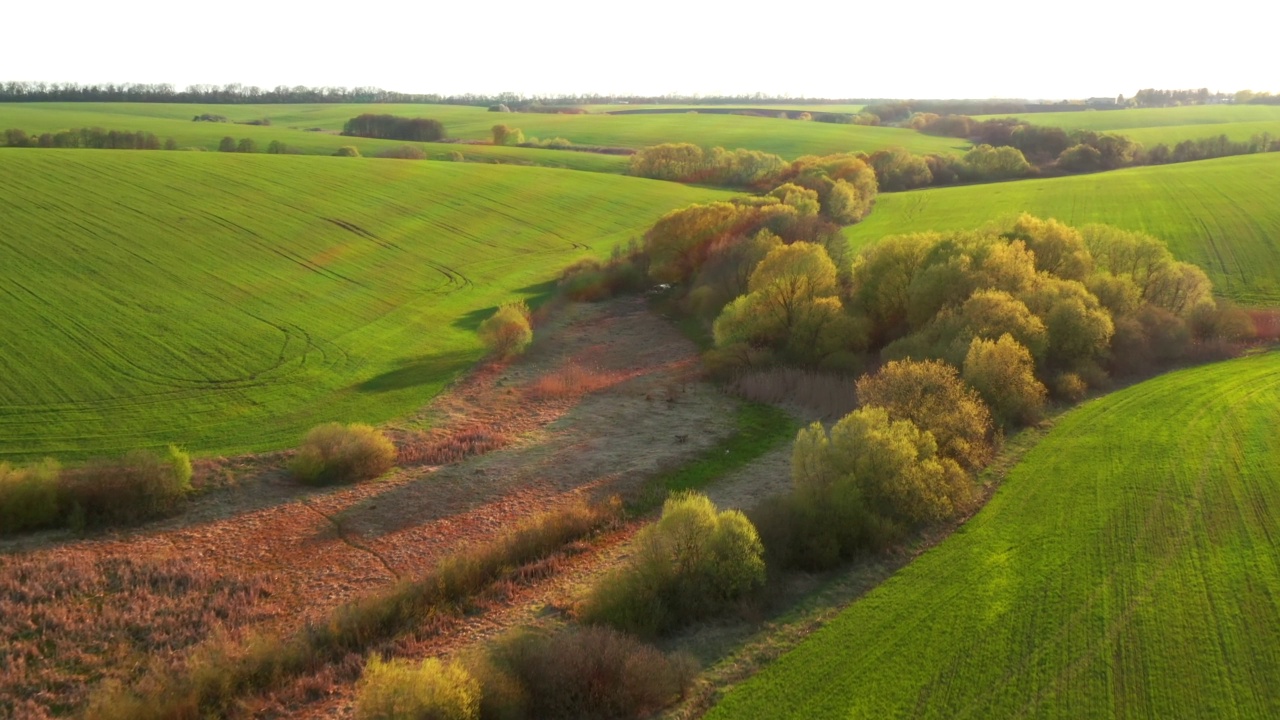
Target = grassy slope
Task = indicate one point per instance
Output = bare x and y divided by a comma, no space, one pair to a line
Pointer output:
1127,568
788,138
229,302
1150,126
1219,214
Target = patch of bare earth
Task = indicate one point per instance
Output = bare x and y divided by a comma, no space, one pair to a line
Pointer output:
593,408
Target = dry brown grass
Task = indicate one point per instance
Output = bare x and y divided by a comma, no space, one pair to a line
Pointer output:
571,381
226,670
1267,324
60,619
442,447
820,395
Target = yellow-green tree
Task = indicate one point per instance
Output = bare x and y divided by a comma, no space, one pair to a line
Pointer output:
892,466
1003,373
931,394
507,332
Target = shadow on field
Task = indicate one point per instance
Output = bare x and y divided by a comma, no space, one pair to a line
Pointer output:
537,294
417,371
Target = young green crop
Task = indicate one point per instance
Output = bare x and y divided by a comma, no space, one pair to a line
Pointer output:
787,138
1218,214
229,302
1128,567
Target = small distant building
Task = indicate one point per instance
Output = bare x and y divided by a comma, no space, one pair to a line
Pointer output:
1101,102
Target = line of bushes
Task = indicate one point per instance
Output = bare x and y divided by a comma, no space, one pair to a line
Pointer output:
215,676
140,485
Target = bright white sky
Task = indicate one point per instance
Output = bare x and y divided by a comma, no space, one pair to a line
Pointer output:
849,48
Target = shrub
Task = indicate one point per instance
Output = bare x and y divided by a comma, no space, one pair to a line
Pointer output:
690,564
932,395
348,151
228,144
28,496
247,145
1003,373
507,332
428,690
892,466
1070,386
404,152
334,453
138,486
583,673
455,156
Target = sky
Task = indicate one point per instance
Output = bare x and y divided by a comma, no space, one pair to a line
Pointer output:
848,49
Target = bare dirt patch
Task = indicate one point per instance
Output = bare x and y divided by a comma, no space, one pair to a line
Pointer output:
594,408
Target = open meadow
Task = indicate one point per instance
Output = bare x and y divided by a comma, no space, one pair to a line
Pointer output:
1218,214
1126,568
289,123
229,302
1151,126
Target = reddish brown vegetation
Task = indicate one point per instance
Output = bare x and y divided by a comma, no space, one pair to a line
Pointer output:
77,619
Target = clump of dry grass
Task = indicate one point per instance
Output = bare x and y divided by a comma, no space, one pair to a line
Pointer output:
69,622
570,381
451,446
824,395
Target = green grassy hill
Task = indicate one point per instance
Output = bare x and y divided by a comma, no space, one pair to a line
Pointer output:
1219,214
1150,126
788,138
229,302
1128,568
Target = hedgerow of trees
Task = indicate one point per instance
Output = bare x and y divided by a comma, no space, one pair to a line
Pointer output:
390,127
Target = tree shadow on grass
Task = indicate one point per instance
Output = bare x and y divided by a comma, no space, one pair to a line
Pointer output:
536,295
418,371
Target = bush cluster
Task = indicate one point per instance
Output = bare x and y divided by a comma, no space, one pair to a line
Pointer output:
692,563
430,689
138,486
581,673
336,453
508,331
626,271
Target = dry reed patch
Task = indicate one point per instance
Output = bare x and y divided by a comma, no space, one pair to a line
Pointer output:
69,623
815,395
1267,324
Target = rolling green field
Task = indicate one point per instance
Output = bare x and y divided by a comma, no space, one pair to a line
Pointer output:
1151,126
788,138
1129,567
228,302
1219,214
166,122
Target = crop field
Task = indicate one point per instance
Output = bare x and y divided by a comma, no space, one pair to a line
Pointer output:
1128,567
229,302
787,138
1151,126
1219,214
161,120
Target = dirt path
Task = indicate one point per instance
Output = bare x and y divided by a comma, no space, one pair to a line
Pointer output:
594,408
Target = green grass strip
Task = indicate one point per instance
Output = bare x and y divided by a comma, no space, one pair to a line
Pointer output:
760,428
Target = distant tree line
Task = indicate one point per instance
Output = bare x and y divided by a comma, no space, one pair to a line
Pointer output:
390,127
100,139
96,138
